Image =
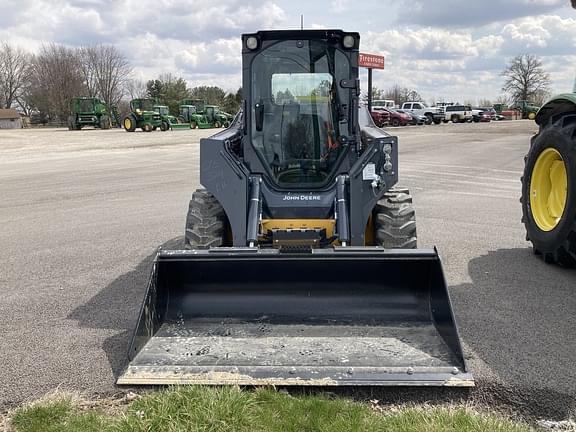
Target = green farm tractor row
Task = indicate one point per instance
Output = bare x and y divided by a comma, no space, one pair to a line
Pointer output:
147,115
202,116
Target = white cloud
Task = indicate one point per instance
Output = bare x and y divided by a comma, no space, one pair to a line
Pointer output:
445,48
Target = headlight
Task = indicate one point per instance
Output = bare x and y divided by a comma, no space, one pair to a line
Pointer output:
252,42
348,41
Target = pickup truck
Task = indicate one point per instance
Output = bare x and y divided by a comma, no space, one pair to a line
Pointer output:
457,114
433,114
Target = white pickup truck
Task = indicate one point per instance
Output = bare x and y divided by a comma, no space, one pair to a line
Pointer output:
433,114
457,114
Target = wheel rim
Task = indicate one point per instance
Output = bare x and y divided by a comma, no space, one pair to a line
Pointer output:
127,123
531,116
548,189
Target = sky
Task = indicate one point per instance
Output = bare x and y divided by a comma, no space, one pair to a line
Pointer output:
451,50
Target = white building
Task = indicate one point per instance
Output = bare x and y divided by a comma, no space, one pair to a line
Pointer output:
10,119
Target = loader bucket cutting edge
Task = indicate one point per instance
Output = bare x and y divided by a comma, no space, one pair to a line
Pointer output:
342,316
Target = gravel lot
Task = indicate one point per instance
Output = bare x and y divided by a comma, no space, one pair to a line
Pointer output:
81,214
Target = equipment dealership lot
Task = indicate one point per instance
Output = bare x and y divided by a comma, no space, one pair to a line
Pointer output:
82,213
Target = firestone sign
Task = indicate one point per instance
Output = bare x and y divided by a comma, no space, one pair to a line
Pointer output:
371,61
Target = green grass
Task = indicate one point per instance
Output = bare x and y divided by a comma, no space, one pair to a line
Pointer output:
210,409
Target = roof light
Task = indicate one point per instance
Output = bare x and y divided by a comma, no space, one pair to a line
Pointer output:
348,41
252,43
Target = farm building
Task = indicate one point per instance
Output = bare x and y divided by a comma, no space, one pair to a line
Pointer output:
10,119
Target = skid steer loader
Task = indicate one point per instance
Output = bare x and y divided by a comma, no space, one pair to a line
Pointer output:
300,265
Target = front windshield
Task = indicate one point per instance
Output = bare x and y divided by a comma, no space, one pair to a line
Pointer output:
162,110
86,105
146,105
294,84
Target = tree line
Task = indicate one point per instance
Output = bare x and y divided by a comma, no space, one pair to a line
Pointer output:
45,83
524,79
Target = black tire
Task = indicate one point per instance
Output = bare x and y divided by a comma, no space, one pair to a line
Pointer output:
217,124
437,121
429,119
455,119
395,122
557,245
164,126
193,124
129,123
147,127
206,222
71,122
395,220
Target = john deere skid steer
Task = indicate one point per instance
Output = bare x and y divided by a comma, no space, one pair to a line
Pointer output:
300,264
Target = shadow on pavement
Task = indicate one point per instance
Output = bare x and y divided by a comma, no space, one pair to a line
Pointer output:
117,307
518,316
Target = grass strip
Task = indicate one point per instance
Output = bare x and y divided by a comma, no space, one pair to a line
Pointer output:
219,409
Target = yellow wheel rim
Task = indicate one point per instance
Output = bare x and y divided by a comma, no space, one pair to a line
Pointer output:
548,189
127,123
531,115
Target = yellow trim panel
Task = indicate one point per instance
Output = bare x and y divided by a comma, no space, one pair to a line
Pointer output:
299,224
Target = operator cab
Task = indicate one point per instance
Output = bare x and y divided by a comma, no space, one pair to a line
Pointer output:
299,122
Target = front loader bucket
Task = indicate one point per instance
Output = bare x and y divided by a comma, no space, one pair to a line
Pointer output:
344,316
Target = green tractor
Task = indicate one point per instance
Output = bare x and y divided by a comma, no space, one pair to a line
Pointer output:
528,109
88,111
142,115
186,113
549,182
198,104
168,120
210,117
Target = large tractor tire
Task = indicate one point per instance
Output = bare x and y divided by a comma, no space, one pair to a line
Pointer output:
206,222
549,191
129,123
395,220
164,126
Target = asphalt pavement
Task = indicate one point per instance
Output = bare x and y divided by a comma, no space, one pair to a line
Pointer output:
82,213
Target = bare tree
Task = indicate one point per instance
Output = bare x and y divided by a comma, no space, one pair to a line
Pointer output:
135,88
87,67
401,94
106,70
525,78
14,74
57,78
